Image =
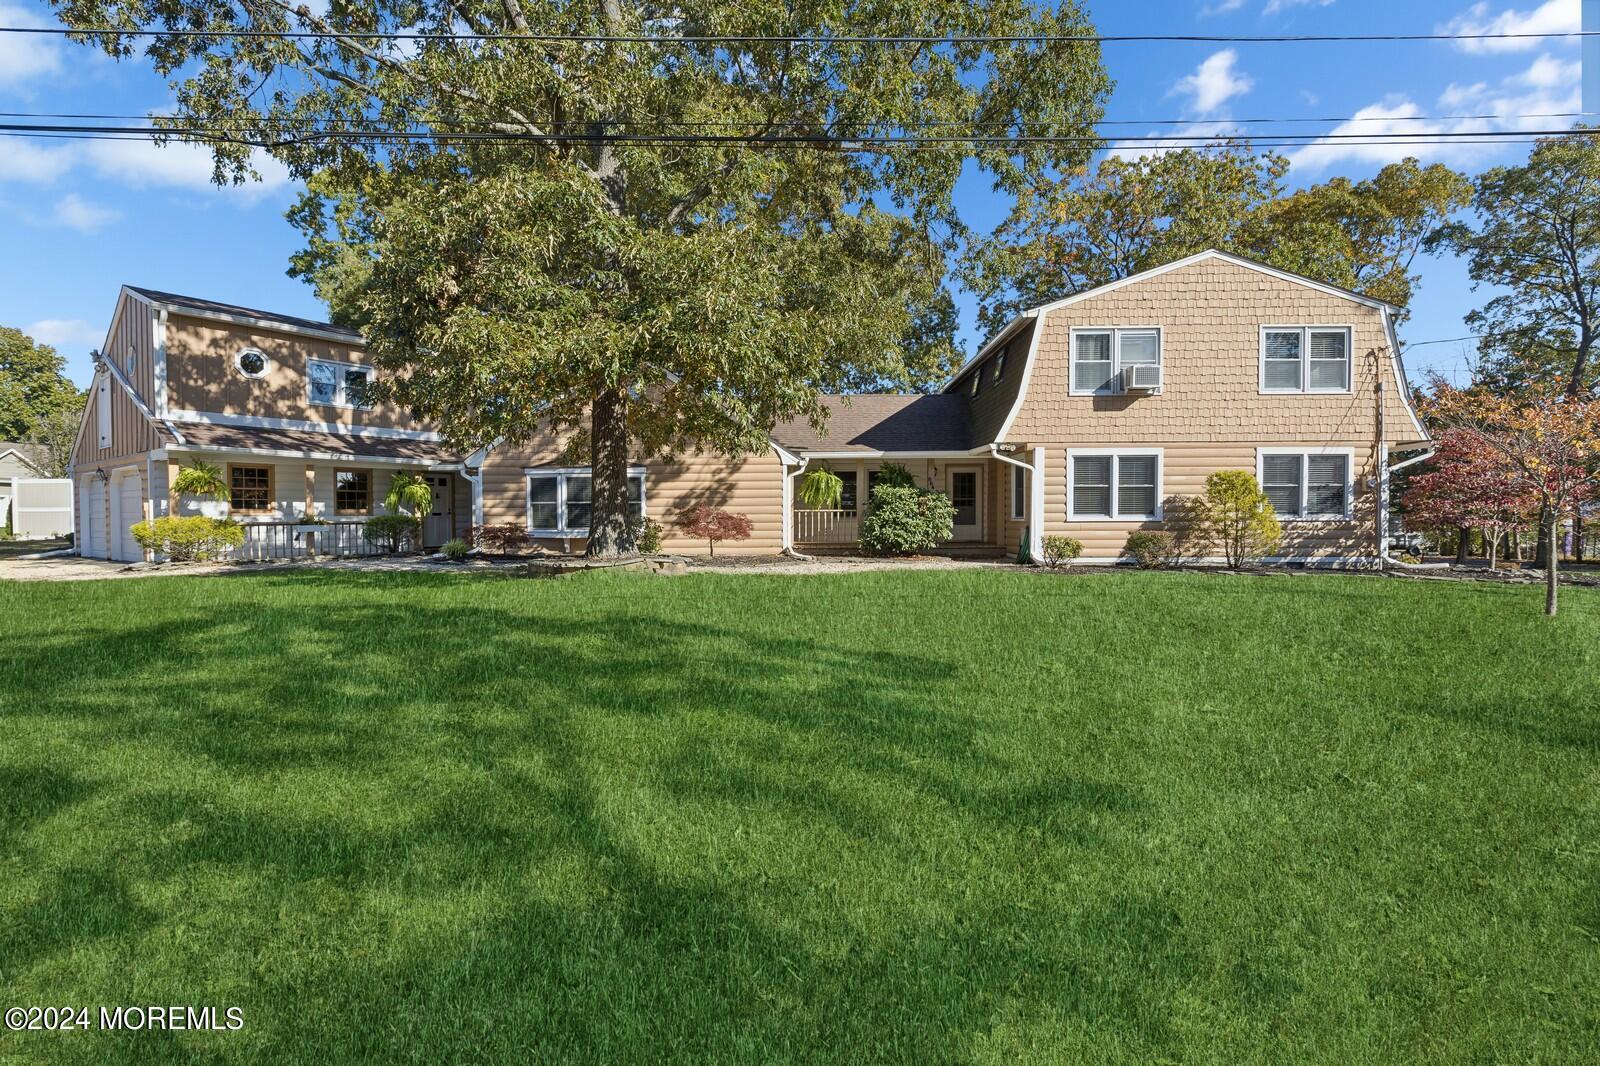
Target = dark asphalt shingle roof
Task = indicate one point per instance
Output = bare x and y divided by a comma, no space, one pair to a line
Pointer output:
883,423
246,438
195,303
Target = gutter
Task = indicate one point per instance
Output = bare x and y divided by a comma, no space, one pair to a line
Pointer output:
1035,536
1390,560
788,501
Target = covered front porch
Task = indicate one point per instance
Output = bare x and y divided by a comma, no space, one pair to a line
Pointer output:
316,500
990,496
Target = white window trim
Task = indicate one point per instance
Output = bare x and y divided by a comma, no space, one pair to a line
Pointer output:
1116,476
1019,500
341,386
1305,360
561,473
266,365
1305,485
1116,356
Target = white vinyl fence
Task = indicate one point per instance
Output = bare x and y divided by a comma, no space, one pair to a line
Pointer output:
41,508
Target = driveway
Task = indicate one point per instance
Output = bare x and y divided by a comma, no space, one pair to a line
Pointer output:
61,568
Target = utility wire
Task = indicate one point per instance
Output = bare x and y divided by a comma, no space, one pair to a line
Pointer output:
831,39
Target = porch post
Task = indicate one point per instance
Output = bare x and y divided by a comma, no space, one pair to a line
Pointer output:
1036,506
474,476
787,534
311,491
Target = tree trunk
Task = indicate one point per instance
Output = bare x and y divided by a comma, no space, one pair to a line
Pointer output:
610,530
1541,554
1577,539
1463,545
1491,542
1551,576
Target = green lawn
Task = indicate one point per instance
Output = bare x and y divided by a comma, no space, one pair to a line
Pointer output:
916,817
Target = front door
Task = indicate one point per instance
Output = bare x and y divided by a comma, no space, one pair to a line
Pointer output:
964,485
438,525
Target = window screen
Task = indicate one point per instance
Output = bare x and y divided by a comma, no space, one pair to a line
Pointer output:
1327,477
1280,480
1329,367
542,502
1136,486
1282,363
1091,362
1091,486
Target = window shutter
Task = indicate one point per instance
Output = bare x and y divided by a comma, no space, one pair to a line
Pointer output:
1091,486
1280,480
1091,361
1136,486
1326,480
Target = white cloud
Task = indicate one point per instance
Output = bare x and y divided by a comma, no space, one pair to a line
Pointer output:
1275,6
1213,83
25,56
1222,7
1552,16
66,332
82,215
1520,103
136,164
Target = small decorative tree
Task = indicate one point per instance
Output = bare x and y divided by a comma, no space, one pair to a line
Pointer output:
1463,488
1545,447
409,493
822,489
712,524
200,478
1238,517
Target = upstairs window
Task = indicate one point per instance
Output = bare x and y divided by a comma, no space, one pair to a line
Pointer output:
1305,359
336,384
1000,366
1303,484
977,380
1099,357
1114,485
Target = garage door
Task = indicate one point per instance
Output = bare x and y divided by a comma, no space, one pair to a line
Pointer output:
130,509
92,506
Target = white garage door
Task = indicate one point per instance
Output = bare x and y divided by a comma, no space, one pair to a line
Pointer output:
92,506
130,509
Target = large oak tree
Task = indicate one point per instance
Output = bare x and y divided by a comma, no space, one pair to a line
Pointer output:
665,246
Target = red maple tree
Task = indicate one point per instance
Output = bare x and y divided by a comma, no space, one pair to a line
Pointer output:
712,524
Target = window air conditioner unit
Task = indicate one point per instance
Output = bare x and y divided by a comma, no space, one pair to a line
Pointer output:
1142,377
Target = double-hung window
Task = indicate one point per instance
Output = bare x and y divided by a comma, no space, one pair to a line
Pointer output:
1305,359
1100,356
1114,485
333,384
561,501
1307,484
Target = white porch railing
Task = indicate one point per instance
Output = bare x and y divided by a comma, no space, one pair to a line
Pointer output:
827,527
289,540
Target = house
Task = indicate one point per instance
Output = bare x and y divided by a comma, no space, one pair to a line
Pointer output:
1081,417
17,460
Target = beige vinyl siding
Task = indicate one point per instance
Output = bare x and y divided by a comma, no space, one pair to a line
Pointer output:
201,375
1211,314
1184,468
752,485
988,410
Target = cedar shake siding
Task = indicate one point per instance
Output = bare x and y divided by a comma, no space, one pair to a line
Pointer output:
1211,413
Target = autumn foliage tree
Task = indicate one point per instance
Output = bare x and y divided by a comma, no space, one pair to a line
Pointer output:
1543,447
1465,488
712,524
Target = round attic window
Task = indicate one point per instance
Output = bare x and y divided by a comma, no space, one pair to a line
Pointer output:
251,362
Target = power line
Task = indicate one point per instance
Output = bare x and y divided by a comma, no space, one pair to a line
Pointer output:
831,39
908,123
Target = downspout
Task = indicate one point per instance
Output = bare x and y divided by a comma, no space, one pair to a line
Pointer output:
788,509
1387,470
1033,534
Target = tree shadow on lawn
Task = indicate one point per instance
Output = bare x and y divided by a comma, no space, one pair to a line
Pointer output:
525,904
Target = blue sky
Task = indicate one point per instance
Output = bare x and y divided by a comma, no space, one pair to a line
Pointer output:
82,218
